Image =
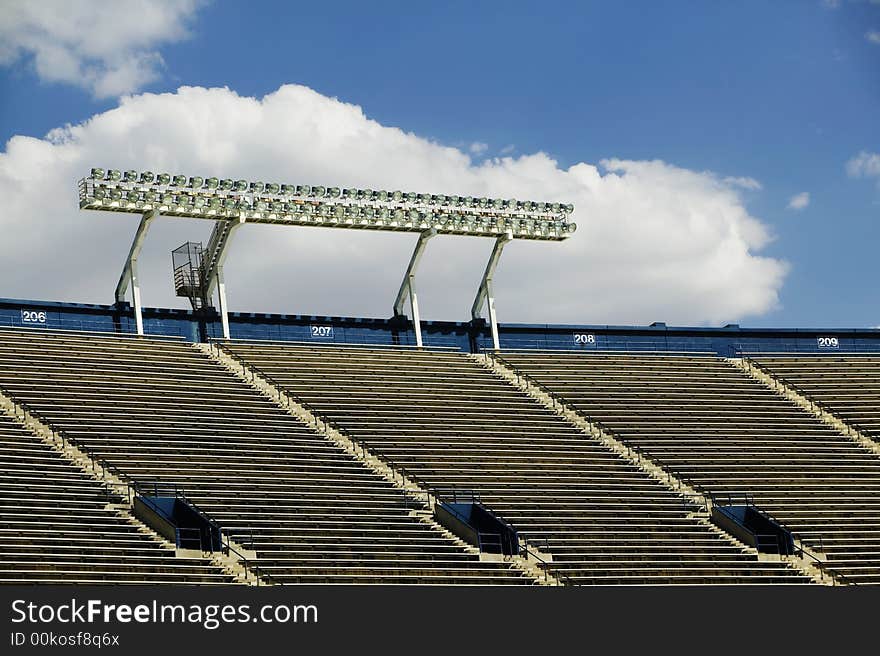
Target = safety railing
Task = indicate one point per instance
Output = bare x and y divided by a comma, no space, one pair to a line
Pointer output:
131,487
780,383
123,328
401,475
704,499
342,337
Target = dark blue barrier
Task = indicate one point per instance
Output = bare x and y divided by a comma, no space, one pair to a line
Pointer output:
479,526
727,341
749,525
177,521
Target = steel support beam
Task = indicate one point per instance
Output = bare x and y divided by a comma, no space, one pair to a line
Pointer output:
485,294
214,258
408,286
130,273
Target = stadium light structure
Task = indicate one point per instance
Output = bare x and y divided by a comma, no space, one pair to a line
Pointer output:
232,203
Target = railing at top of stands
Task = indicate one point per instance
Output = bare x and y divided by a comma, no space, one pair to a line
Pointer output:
103,328
705,497
343,345
774,348
132,486
782,382
617,348
322,424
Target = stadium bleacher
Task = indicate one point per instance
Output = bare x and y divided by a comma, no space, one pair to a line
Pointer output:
443,416
160,410
847,385
715,425
56,526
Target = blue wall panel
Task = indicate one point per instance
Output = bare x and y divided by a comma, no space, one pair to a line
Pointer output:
726,341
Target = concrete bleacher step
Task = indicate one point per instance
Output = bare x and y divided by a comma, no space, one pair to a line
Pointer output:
164,410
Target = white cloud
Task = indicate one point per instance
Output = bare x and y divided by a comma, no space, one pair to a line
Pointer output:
746,183
799,201
655,241
873,36
864,165
508,149
831,4
478,148
107,48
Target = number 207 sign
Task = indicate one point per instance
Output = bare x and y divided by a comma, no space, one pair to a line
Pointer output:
321,332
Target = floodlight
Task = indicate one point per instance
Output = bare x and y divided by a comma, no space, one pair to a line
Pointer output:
220,199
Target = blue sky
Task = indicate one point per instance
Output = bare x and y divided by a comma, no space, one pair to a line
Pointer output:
784,93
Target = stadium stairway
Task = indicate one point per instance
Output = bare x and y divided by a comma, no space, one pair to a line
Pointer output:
160,410
58,525
846,385
712,424
454,424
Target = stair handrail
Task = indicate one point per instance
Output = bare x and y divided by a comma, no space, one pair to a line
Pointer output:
396,469
127,482
670,471
782,381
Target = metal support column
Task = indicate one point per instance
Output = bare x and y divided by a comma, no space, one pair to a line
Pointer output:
129,272
408,286
221,294
215,257
485,294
